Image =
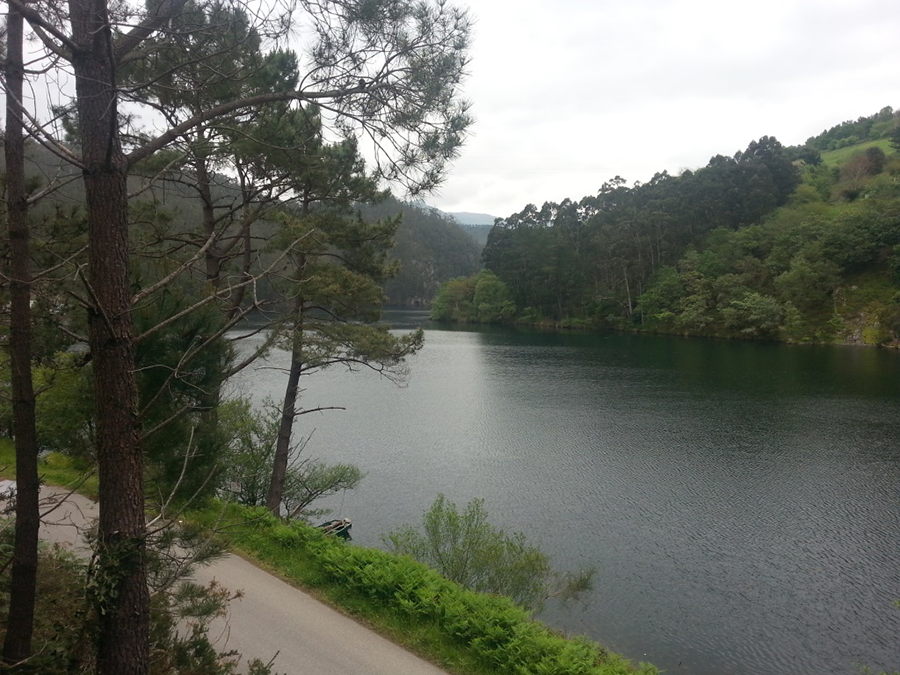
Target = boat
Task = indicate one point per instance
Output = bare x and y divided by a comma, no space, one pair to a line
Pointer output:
339,528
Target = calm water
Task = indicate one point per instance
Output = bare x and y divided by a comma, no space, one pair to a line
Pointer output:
740,502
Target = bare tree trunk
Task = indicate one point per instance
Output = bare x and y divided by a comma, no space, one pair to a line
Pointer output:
289,405
246,240
20,621
288,413
627,290
120,565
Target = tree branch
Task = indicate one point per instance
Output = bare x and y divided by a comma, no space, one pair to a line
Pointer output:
130,40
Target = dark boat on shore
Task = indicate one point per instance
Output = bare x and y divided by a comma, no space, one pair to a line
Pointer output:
339,528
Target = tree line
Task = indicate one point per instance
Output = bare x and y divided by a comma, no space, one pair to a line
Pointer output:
762,244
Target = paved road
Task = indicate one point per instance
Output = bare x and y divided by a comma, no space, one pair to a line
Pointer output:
273,617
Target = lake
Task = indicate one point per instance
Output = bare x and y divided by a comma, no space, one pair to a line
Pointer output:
740,502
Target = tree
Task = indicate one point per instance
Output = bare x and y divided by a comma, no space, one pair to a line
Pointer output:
492,299
754,315
250,458
894,137
467,549
482,298
339,263
454,301
20,622
387,71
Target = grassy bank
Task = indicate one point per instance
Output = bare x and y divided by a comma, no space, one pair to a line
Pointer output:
54,469
464,632
468,633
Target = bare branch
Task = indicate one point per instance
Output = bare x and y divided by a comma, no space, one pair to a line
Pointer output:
39,25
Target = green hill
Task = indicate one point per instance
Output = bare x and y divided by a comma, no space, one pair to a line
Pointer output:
772,243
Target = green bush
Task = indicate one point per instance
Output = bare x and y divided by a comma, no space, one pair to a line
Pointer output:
466,548
485,633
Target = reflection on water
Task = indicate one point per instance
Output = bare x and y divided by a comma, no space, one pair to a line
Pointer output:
739,501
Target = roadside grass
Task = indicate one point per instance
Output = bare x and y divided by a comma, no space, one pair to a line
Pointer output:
53,468
461,631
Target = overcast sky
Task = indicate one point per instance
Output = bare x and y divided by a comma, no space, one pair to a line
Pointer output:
569,93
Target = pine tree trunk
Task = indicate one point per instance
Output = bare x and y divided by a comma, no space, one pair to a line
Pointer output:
20,621
120,571
288,413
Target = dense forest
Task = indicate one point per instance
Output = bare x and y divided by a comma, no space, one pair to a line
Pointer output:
773,242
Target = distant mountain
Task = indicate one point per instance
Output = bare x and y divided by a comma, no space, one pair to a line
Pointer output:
467,218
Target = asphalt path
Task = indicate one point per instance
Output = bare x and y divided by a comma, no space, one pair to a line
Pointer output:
272,619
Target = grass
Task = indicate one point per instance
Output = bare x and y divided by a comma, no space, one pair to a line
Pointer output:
839,157
462,631
53,468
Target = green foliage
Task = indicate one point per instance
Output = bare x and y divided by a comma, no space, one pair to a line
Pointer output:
492,301
665,293
247,463
566,260
63,629
468,632
894,137
740,248
467,549
852,132
482,298
180,372
454,301
65,407
65,621
754,316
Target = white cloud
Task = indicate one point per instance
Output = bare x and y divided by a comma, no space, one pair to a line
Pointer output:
570,93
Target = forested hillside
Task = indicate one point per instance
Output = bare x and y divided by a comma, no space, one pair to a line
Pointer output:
770,243
430,248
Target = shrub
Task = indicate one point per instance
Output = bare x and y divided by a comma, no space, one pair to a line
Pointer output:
466,548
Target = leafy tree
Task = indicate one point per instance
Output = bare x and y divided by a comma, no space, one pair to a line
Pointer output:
454,301
65,408
247,465
894,138
481,298
808,284
334,290
658,302
852,132
755,315
467,549
492,300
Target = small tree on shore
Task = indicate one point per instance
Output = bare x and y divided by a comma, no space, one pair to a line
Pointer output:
469,550
251,456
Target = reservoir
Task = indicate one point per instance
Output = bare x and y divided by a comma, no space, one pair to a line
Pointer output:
739,501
